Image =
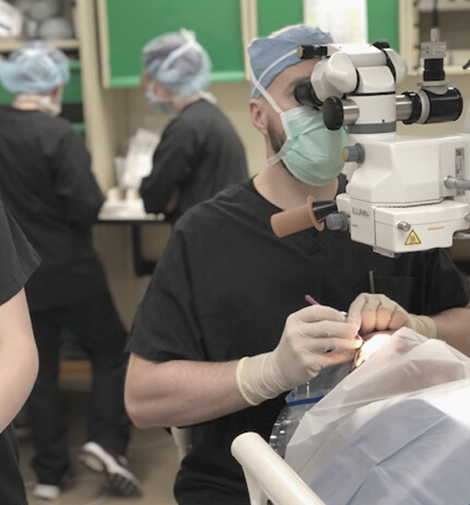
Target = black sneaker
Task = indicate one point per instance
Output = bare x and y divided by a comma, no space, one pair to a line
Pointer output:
116,468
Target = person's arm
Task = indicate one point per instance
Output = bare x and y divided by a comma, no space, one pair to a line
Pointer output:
74,182
18,357
452,326
172,203
179,393
173,162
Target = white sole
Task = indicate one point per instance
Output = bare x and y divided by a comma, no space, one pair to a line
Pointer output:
119,479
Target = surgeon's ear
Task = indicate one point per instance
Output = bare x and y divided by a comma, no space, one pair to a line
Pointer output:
258,116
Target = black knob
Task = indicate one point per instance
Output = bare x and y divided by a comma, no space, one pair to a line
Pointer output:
381,44
333,113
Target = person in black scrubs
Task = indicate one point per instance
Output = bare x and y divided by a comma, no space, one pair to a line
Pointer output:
18,354
48,185
199,153
224,330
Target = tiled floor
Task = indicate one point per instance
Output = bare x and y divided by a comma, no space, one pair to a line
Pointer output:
152,455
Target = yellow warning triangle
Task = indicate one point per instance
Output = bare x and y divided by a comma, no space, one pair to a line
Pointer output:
412,239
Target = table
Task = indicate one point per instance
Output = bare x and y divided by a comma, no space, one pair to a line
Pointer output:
142,266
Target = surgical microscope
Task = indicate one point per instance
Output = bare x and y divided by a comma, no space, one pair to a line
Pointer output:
404,193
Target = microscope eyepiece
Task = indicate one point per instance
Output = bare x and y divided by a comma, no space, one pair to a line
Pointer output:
305,95
308,52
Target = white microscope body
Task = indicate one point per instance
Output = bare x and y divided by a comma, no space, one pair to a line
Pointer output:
404,193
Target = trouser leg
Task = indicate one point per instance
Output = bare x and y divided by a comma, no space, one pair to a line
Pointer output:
108,423
98,327
51,458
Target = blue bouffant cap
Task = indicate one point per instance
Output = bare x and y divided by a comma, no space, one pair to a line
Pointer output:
178,62
36,67
271,55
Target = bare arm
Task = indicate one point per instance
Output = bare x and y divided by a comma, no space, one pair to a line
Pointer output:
452,326
180,393
172,202
18,357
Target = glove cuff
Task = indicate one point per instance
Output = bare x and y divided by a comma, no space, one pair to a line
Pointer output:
257,379
422,324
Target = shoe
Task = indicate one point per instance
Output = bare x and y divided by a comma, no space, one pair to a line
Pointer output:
46,492
116,467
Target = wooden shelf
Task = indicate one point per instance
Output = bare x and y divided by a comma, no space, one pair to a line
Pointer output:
449,6
8,44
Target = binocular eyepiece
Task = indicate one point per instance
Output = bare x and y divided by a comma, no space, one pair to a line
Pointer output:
305,95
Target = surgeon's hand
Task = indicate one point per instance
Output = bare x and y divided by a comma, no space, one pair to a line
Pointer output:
378,312
305,348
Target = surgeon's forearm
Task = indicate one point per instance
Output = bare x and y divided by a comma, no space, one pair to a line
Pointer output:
180,393
452,326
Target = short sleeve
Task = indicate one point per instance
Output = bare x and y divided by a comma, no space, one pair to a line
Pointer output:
165,326
18,259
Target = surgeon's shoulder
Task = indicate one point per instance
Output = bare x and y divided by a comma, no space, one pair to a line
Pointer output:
226,206
55,126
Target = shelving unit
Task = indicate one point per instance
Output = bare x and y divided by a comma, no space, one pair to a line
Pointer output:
415,27
10,44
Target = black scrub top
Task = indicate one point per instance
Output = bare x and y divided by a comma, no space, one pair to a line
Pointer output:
48,186
199,153
17,262
223,289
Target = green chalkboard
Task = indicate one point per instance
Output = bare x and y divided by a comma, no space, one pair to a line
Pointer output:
276,14
382,22
216,23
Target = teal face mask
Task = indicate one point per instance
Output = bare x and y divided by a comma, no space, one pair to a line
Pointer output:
165,106
311,152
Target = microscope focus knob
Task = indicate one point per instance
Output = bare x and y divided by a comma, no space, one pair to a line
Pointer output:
333,113
355,153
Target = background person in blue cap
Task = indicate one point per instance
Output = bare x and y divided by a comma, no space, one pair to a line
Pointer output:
224,332
200,152
47,183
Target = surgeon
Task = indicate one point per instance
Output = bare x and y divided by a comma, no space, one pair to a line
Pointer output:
200,153
47,184
224,330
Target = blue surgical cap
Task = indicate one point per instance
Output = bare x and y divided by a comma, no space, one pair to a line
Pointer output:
266,54
178,62
36,67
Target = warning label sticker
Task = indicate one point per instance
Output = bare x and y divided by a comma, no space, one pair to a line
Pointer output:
412,239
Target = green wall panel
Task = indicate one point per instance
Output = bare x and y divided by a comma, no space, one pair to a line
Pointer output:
216,23
276,14
382,21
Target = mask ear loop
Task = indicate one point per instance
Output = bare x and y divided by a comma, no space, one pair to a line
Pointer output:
280,154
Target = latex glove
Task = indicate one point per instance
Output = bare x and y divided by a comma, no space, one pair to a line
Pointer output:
302,352
379,313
